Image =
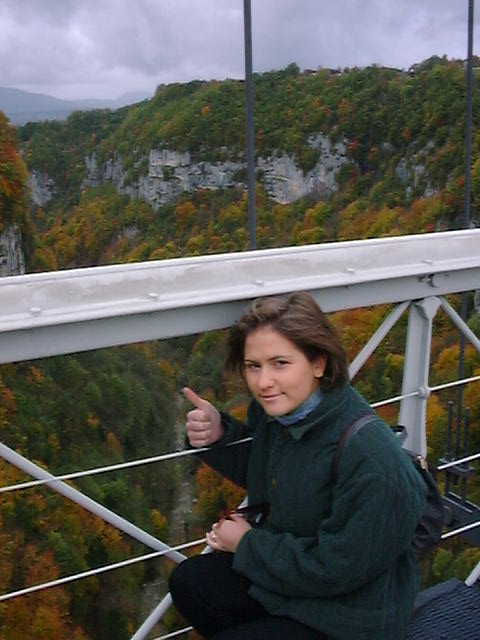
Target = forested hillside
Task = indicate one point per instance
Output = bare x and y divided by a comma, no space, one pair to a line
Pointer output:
13,178
395,144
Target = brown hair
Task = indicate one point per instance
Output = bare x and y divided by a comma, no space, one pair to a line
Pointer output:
299,318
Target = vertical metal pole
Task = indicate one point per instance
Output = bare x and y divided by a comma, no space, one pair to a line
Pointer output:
449,452
469,119
467,198
465,447
413,410
250,131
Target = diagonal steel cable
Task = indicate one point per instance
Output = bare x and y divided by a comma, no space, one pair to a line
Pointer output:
114,467
93,572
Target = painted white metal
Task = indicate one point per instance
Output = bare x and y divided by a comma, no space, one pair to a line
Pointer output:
63,312
51,480
454,383
460,323
153,618
456,532
415,373
454,463
174,634
473,577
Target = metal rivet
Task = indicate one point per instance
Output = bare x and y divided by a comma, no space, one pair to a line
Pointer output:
35,311
153,296
350,270
427,261
259,283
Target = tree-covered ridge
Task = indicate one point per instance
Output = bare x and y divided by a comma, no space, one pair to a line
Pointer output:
371,106
58,148
404,169
385,116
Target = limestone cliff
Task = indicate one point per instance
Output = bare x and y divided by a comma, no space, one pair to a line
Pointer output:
12,262
171,173
42,188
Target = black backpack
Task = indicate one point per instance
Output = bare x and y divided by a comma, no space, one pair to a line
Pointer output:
428,533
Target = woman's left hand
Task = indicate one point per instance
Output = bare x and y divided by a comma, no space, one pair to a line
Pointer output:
226,534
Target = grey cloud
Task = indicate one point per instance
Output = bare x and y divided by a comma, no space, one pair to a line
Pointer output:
116,45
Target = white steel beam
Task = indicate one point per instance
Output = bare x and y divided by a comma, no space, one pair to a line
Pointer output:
473,577
76,310
87,503
376,339
461,324
413,408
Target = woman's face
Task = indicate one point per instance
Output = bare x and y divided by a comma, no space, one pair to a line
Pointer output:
277,372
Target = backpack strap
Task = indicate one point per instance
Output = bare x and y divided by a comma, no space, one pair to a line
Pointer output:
347,433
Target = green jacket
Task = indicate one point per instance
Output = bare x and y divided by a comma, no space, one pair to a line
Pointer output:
337,558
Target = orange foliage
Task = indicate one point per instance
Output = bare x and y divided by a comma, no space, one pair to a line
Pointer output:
239,412
35,375
114,444
41,614
353,147
160,523
184,213
445,368
436,415
93,421
389,413
472,395
40,567
356,326
13,176
9,543
8,398
166,369
215,494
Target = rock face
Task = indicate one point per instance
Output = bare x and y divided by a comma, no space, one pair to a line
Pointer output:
12,262
42,188
285,181
412,172
171,173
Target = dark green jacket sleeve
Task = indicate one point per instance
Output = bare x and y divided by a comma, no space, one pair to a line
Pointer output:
231,460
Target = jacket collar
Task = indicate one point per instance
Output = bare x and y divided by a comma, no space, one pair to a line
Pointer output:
331,401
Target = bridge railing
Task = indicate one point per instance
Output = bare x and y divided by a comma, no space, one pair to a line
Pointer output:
83,309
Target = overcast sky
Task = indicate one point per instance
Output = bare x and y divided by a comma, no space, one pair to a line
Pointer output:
103,48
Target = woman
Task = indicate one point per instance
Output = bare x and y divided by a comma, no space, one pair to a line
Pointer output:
330,559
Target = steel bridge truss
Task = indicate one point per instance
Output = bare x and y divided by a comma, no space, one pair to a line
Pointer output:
83,309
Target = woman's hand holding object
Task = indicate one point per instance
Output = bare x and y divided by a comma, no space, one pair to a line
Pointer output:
226,534
204,425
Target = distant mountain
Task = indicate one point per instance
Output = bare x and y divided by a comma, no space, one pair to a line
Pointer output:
22,106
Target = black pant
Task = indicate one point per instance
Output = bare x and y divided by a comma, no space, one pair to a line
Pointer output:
214,599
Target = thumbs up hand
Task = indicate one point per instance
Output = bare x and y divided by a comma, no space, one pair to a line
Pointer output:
204,426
